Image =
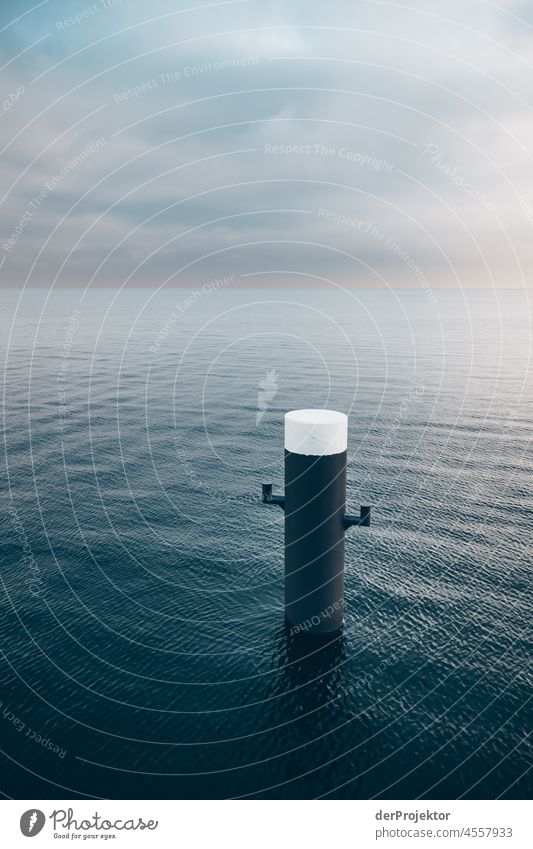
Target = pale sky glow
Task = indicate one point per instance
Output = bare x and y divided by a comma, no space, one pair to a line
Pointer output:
369,143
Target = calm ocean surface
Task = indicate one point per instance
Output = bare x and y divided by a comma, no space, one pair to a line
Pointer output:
143,634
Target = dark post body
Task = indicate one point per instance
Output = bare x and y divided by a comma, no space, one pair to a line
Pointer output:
315,504
315,519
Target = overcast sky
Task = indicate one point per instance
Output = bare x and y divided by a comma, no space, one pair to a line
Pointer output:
167,143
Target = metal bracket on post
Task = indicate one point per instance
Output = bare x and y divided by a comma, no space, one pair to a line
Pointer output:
363,520
268,498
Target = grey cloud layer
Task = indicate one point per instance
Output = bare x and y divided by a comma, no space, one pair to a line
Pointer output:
256,136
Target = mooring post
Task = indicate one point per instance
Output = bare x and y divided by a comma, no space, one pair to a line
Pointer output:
316,444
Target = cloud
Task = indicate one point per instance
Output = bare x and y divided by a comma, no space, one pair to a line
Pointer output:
226,129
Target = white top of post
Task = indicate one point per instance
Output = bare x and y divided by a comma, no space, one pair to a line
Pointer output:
316,432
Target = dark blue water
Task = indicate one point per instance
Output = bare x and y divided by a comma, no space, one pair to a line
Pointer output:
143,648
